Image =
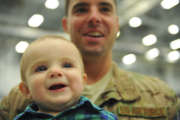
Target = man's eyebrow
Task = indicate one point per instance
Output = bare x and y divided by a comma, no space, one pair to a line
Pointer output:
106,4
83,4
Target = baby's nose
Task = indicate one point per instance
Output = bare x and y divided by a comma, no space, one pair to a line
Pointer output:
54,74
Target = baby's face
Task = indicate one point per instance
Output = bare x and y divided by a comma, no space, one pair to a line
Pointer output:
54,74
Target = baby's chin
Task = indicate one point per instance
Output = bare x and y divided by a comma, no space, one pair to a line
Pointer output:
55,107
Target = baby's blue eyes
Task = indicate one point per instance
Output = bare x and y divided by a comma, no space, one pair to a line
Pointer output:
44,68
67,65
41,68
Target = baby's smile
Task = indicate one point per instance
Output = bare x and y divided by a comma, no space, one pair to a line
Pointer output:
58,86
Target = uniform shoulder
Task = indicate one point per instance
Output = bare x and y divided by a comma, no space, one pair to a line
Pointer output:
152,83
14,103
145,82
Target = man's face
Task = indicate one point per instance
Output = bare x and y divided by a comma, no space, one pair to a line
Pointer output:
54,74
92,25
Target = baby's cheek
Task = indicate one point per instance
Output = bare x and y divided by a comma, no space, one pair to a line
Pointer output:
78,87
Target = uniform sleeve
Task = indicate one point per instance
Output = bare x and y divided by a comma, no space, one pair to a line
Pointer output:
154,95
12,104
162,92
175,111
171,96
173,102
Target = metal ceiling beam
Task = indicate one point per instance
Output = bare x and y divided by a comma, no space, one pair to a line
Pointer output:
131,8
26,32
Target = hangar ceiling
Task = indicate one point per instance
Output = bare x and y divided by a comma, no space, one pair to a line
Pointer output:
155,20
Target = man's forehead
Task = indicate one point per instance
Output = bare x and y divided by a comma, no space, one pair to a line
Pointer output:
71,4
88,1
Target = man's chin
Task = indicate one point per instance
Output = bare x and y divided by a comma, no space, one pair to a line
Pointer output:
92,53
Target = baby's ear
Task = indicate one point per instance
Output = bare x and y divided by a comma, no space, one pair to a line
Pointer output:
84,78
24,89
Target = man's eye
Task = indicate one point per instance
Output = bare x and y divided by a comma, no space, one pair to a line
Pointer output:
105,9
41,68
81,10
67,65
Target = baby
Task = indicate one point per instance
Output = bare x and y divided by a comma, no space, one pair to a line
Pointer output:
53,77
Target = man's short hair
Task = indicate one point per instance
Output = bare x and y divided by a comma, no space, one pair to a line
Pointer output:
67,6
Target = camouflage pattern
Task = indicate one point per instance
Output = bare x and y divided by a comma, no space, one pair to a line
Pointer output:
130,96
133,96
175,111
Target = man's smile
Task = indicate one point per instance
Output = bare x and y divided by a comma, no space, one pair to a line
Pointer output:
94,34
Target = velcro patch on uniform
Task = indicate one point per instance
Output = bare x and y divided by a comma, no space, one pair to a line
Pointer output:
142,111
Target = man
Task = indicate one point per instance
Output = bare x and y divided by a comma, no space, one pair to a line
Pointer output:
92,25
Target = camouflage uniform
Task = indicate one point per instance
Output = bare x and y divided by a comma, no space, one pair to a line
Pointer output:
175,111
130,96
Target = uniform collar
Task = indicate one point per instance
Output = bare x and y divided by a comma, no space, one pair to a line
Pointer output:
125,85
120,87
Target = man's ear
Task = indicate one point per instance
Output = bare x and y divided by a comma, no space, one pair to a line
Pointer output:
24,89
64,24
118,25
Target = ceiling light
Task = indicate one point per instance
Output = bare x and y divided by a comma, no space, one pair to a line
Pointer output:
152,54
52,4
175,44
21,46
129,59
135,22
36,20
149,40
168,4
173,56
173,29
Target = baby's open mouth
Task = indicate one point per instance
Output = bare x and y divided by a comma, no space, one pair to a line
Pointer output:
57,86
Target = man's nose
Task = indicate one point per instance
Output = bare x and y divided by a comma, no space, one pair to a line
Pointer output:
94,16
